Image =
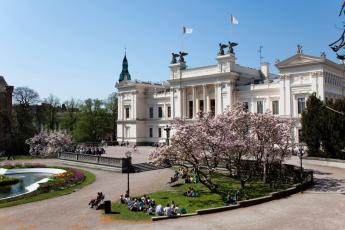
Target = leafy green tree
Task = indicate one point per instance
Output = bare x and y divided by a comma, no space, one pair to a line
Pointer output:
52,105
111,106
70,113
94,123
311,125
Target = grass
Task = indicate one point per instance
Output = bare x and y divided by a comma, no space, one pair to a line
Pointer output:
206,199
89,178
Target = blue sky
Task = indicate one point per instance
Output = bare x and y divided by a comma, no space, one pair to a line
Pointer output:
74,48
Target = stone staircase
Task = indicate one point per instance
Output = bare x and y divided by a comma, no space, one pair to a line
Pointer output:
143,167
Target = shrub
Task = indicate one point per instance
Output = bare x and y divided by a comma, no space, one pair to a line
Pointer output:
5,180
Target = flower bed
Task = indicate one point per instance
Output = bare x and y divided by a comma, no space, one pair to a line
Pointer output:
5,180
64,180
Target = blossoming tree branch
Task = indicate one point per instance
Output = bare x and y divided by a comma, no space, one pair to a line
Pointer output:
246,143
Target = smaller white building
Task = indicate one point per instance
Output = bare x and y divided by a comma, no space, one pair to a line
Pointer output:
145,108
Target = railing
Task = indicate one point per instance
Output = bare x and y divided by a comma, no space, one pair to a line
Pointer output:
123,163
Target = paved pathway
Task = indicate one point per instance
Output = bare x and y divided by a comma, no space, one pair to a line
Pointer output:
322,207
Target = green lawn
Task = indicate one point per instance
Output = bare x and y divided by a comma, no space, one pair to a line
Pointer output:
89,178
206,199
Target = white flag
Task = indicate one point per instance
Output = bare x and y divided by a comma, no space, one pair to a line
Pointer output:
187,30
233,20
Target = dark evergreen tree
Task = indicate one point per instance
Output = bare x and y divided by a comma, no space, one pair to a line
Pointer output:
311,128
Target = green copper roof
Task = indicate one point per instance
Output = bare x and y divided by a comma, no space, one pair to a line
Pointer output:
124,75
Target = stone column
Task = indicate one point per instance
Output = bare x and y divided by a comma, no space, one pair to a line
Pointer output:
172,103
230,90
194,104
216,99
204,97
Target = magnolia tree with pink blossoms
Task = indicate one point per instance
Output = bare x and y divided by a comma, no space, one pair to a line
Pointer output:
49,143
245,142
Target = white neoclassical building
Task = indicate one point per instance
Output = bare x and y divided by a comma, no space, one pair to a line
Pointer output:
145,108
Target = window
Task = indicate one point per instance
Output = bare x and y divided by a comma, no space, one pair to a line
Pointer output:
151,112
127,112
159,132
259,107
169,111
150,132
190,109
201,105
301,104
160,112
213,106
245,106
275,107
300,135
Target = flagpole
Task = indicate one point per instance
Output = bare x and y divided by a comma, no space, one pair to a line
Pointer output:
182,37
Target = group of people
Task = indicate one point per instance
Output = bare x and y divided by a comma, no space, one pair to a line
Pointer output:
184,174
147,205
90,150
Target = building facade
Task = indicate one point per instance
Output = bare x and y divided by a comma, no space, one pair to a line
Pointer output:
5,112
145,109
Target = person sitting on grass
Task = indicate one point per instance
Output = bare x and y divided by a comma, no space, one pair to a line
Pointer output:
152,203
191,192
135,206
174,209
230,200
122,200
168,211
159,210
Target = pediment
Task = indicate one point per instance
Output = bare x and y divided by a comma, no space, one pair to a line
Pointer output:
299,59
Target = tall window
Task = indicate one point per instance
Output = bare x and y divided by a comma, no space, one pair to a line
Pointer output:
127,112
301,104
259,107
190,109
201,105
160,112
300,136
150,132
275,107
245,106
213,106
159,132
169,111
151,112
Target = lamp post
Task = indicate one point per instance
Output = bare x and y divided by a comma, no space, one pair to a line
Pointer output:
128,157
167,129
301,151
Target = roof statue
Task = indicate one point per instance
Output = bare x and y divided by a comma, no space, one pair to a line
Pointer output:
231,47
173,58
182,54
124,75
323,55
221,48
299,49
